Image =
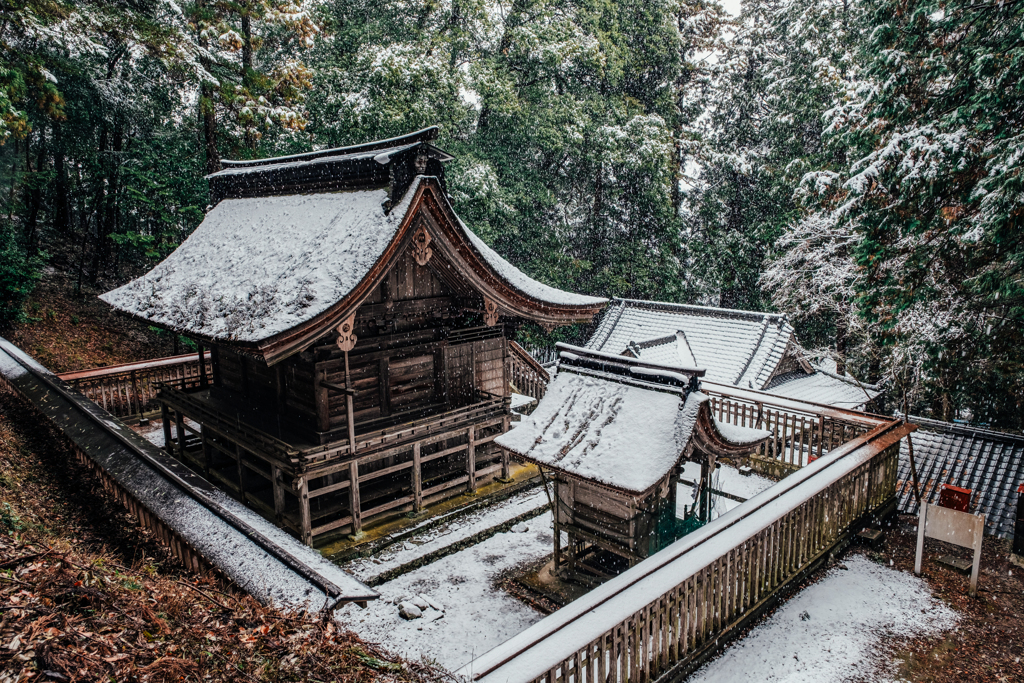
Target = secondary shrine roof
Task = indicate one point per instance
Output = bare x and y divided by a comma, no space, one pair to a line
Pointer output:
619,422
737,347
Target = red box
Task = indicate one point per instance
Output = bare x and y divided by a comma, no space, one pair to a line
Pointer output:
955,498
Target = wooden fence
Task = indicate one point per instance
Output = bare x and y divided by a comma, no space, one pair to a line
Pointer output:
528,377
661,618
131,388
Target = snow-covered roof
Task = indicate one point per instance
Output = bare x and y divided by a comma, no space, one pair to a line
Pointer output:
736,347
259,266
823,387
623,433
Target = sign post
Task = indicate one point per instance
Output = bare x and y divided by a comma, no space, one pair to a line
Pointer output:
952,526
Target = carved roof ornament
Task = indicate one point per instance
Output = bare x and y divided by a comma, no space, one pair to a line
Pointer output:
490,313
346,334
420,245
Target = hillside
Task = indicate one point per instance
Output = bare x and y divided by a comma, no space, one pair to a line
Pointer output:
86,594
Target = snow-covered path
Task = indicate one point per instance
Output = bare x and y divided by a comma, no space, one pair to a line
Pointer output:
835,629
476,615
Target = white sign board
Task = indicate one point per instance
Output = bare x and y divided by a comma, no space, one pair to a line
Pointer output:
952,526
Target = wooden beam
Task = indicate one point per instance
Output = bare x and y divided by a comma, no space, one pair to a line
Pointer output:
417,478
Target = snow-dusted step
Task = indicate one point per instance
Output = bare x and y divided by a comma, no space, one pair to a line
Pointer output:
437,540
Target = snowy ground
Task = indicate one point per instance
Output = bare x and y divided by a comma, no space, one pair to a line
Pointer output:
475,615
834,629
451,532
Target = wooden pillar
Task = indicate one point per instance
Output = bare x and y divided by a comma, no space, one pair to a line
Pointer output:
203,382
417,479
471,459
554,519
307,524
240,469
349,410
179,423
275,479
505,473
165,419
353,496
323,409
207,461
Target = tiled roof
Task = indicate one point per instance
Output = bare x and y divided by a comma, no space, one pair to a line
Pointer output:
735,347
989,463
823,387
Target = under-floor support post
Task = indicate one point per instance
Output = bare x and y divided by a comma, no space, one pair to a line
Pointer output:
207,459
353,499
179,423
505,468
471,459
275,478
417,478
304,516
165,419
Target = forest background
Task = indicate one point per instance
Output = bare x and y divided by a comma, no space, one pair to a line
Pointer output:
856,164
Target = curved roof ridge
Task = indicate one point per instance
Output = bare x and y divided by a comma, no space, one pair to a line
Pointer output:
423,135
710,310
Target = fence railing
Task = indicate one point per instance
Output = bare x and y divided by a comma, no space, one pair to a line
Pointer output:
527,375
801,432
131,388
677,606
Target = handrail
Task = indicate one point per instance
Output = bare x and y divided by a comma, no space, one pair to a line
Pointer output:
524,356
188,481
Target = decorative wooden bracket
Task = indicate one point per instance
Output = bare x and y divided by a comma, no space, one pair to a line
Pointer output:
420,246
490,313
346,335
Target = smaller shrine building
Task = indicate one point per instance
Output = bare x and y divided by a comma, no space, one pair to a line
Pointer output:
614,433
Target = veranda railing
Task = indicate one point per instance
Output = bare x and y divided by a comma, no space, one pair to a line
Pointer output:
131,388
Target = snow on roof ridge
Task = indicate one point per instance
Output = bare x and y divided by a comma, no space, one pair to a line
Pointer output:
582,351
753,352
397,141
731,312
849,379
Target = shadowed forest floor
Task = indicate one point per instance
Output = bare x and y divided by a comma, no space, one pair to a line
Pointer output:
88,595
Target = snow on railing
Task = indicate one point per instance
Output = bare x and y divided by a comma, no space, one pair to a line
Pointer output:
673,609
